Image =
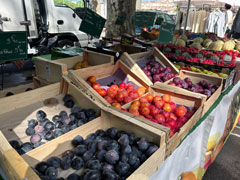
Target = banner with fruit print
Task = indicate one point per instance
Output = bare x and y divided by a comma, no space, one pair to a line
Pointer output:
226,116
193,156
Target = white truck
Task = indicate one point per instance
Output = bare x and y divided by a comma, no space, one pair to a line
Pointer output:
48,23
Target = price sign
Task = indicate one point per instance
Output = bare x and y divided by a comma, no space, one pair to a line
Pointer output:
92,23
166,32
13,45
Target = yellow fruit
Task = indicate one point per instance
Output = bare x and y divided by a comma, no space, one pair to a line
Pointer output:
237,47
196,45
205,71
193,68
207,42
188,176
198,70
78,65
229,45
180,42
198,40
183,37
216,46
223,75
84,64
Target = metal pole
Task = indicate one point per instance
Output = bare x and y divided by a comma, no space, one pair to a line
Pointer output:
185,25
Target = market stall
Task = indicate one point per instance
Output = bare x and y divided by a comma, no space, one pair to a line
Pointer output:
161,114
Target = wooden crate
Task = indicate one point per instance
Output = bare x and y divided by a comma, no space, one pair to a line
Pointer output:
127,48
136,61
180,98
16,90
17,110
18,167
52,71
80,76
197,77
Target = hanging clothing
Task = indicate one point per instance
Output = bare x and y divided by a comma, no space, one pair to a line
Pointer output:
236,23
217,23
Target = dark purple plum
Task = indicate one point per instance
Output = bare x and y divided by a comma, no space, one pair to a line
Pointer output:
32,123
58,132
132,158
123,140
112,156
66,120
14,144
38,144
112,132
56,118
63,114
79,123
209,86
137,164
132,138
94,165
30,131
143,144
59,124
126,149
40,115
136,151
54,162
203,83
77,163
110,175
207,93
69,103
51,172
68,153
42,167
49,135
187,80
90,113
25,147
80,150
92,175
122,168
75,109
124,158
73,176
177,80
112,145
48,126
87,155
81,115
151,149
66,162
212,90
67,97
143,158
184,85
107,167
77,140
101,154
100,132
101,144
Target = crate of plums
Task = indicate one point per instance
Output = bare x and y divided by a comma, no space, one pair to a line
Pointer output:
16,90
151,66
36,117
105,148
113,85
168,110
207,86
49,71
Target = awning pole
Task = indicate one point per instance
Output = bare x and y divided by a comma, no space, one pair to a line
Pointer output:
185,25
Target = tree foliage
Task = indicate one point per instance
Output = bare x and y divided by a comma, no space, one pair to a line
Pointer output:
71,3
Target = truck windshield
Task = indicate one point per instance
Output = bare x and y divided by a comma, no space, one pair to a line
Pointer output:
69,3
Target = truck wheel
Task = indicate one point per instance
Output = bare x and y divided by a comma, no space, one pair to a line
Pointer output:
65,43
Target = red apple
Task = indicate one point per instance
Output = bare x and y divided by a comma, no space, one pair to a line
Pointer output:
122,85
127,99
160,118
173,116
173,105
159,104
171,123
108,99
166,114
96,86
154,110
111,93
102,92
119,97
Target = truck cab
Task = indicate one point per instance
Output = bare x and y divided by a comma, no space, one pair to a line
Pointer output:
49,23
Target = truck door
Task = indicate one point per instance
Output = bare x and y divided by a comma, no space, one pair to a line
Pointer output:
62,18
12,15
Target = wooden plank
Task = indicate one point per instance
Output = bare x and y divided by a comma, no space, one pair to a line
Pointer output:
95,58
16,90
50,71
11,103
12,163
39,82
